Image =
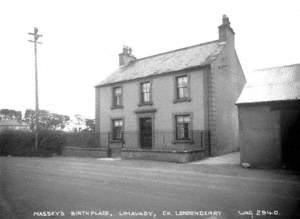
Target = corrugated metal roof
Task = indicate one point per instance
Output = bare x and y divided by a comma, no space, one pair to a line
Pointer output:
272,84
198,55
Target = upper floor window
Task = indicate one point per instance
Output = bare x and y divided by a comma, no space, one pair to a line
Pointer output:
146,92
182,87
117,97
117,129
183,127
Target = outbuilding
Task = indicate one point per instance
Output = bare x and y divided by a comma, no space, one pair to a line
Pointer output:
12,124
269,118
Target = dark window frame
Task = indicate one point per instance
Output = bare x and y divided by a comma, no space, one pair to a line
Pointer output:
119,136
186,89
142,101
189,131
114,104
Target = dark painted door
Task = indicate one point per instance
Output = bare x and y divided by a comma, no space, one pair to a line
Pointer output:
146,132
290,127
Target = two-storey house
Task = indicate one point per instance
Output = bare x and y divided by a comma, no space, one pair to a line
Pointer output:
174,106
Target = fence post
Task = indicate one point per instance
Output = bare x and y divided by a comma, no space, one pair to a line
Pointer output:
123,139
202,137
96,139
208,146
108,145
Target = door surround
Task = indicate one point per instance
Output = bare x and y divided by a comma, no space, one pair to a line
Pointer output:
146,135
145,115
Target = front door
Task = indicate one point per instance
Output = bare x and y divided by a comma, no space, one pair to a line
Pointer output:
290,127
146,133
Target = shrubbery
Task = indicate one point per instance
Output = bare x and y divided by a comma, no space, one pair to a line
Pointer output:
86,139
21,143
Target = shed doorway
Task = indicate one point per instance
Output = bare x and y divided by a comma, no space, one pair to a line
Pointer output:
290,138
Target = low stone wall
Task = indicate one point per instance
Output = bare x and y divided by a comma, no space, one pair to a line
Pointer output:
164,155
178,156
85,152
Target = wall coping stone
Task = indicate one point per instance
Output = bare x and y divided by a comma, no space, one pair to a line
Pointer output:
162,150
85,148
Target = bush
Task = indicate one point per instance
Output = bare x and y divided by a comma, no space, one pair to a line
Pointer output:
51,142
22,143
87,139
18,143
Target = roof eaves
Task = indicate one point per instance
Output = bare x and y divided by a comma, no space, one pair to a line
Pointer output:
277,67
266,102
154,75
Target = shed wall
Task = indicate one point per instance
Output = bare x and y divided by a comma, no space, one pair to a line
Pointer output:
260,136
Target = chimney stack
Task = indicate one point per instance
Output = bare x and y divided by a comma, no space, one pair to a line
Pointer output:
226,33
126,56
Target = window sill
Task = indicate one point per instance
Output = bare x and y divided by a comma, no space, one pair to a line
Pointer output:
187,99
188,141
146,104
116,141
116,107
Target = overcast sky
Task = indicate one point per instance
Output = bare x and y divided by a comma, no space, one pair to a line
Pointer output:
82,40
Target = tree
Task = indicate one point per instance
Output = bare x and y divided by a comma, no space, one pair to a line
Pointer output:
79,123
47,120
29,118
10,114
57,121
90,124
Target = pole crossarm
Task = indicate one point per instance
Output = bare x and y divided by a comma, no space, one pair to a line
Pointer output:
32,41
35,34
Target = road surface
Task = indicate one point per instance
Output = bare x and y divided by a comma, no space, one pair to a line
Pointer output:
89,188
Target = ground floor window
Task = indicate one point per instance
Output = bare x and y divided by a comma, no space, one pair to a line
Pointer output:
183,127
117,129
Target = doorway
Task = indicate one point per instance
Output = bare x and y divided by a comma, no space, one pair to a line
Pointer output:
146,133
290,143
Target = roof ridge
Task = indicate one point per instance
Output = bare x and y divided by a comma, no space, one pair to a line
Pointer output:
191,56
282,66
170,51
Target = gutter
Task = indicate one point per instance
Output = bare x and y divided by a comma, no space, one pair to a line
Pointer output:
155,75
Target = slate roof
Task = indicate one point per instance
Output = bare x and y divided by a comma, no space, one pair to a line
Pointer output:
180,59
272,84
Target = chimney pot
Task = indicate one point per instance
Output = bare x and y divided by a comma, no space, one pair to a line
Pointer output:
225,31
126,56
225,20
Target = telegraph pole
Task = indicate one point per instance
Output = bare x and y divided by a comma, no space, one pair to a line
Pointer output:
36,36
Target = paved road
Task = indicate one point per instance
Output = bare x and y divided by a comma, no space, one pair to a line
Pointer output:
32,186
